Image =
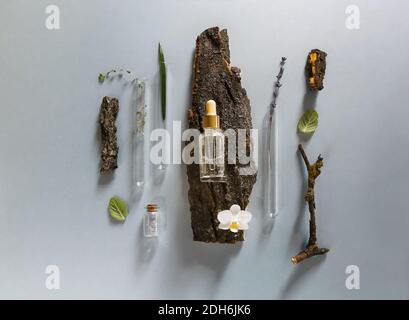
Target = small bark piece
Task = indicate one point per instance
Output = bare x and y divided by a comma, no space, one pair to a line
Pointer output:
109,153
315,69
314,170
214,78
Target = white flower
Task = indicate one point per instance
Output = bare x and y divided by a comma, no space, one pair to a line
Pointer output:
234,219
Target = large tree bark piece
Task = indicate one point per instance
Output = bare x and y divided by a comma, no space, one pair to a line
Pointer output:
214,78
107,116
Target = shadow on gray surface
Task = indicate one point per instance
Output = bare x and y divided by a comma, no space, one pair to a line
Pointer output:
309,102
136,195
302,217
106,178
301,271
146,246
212,258
268,222
158,174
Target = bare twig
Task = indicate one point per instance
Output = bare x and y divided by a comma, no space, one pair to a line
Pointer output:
314,171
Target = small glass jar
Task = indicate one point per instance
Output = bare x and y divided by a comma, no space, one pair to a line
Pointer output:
151,221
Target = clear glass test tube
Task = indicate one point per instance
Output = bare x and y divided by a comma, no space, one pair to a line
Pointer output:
160,115
271,188
139,136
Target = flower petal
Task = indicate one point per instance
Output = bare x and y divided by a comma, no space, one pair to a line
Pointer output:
243,226
224,226
225,217
235,209
244,217
234,230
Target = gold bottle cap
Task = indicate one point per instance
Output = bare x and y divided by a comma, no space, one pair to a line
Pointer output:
211,119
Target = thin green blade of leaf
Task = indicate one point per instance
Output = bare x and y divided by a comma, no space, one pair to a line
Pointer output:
118,208
162,71
161,54
308,121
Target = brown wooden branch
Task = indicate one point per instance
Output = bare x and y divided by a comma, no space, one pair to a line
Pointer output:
314,170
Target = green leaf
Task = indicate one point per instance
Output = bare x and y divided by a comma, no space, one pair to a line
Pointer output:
308,121
161,55
118,208
162,71
101,77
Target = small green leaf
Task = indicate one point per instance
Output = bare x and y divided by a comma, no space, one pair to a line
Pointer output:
308,121
101,77
162,71
118,208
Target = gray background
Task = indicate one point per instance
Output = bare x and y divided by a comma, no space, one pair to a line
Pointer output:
53,204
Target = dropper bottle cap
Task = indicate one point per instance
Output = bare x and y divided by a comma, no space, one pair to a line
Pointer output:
211,119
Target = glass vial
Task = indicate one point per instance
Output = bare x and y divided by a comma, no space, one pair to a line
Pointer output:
271,187
151,221
138,140
211,146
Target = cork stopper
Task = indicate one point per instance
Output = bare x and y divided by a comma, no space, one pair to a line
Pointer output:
211,119
151,207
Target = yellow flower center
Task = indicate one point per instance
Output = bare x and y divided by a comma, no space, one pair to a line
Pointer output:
234,225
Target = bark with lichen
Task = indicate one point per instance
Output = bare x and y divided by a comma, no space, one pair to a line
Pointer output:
315,69
107,117
314,170
215,78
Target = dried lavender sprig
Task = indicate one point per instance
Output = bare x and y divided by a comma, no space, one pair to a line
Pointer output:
277,86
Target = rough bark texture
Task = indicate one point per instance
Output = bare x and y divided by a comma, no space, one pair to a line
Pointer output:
109,151
214,78
315,69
